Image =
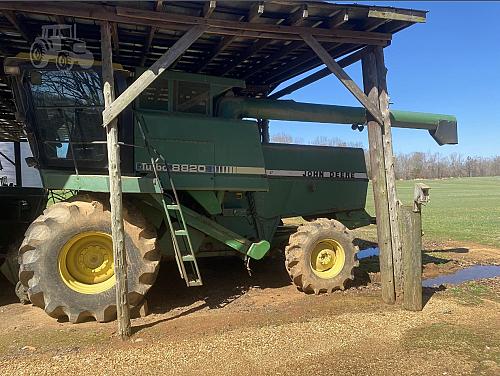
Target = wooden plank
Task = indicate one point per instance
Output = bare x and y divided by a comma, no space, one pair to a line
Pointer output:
12,18
344,62
308,60
296,18
151,34
183,22
377,167
341,18
343,77
151,74
255,11
399,15
223,26
411,225
209,8
18,164
389,170
115,189
114,38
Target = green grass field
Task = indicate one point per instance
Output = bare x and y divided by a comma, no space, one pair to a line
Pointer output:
462,209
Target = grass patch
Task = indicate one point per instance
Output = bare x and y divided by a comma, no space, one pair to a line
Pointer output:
48,340
473,293
463,209
477,345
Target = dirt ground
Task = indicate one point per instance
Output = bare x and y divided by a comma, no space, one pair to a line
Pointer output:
261,325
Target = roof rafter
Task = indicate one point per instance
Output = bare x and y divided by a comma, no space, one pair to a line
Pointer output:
179,22
339,14
255,12
150,37
209,8
308,58
296,18
12,18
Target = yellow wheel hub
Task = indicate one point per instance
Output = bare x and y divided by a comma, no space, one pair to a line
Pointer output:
86,262
327,258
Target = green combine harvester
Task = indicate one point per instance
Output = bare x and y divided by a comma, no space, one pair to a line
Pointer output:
199,180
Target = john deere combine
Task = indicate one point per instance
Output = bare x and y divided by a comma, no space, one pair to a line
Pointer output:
198,181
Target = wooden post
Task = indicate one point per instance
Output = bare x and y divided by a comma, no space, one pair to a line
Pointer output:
378,172
411,237
18,163
390,174
115,189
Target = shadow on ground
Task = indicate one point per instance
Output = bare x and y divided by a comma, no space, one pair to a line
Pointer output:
7,294
225,279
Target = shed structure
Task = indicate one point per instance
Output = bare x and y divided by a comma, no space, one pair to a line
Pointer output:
265,43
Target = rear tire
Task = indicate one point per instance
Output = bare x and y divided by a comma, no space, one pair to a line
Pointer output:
320,256
67,266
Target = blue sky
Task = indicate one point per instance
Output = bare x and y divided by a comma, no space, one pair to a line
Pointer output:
449,65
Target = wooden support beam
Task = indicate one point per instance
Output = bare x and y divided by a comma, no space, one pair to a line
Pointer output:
142,82
151,34
343,77
344,62
115,189
298,17
411,237
256,10
389,170
341,18
12,18
179,22
60,20
18,163
377,167
209,8
114,38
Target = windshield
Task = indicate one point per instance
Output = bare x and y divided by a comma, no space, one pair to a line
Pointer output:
68,107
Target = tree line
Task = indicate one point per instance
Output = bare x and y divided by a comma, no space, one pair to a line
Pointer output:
416,165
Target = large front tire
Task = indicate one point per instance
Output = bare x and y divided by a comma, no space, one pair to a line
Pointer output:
67,259
320,256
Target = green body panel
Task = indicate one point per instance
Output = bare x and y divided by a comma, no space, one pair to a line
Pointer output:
209,200
310,195
191,143
53,179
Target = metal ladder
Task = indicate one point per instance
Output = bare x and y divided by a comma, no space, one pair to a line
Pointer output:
184,256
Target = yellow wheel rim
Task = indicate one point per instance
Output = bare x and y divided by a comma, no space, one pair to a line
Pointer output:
327,258
86,262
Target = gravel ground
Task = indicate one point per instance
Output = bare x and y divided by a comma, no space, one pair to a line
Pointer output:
263,326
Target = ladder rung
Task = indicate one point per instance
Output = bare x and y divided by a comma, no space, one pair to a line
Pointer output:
181,232
196,282
187,258
173,207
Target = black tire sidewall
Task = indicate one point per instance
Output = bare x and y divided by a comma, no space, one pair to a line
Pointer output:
51,282
308,246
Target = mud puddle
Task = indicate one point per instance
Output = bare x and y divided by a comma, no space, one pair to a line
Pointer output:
472,273
464,275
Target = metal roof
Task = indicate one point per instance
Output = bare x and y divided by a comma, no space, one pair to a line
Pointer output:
257,41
